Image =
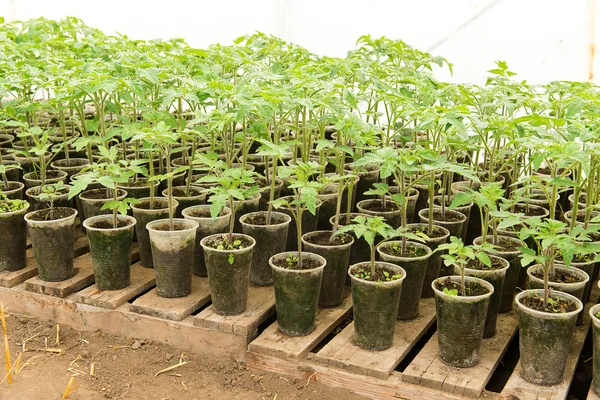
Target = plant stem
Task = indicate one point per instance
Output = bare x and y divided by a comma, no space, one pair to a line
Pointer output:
115,211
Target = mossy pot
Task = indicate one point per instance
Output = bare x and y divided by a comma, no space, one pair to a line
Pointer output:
455,226
228,274
268,243
460,323
589,268
545,339
92,206
52,242
359,251
375,306
596,348
434,262
173,255
33,196
13,245
309,224
111,250
297,294
207,226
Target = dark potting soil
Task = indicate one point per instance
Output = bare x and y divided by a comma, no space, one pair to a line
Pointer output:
292,263
471,288
137,184
324,239
239,242
179,192
503,244
560,276
436,232
557,305
52,214
72,163
109,224
11,186
411,251
36,191
158,205
479,266
530,212
345,220
167,227
376,206
380,275
447,217
261,219
97,194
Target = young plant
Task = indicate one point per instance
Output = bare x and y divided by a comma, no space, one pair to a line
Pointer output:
40,149
3,170
460,255
52,192
10,205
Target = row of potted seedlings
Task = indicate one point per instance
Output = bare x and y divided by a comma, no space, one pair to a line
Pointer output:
263,163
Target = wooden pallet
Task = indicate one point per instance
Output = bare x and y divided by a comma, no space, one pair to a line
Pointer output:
592,395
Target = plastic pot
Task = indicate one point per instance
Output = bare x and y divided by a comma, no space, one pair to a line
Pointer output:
496,278
173,255
368,175
454,221
139,191
359,251
228,274
309,224
62,200
512,274
297,294
14,191
70,167
460,323
337,257
545,339
375,306
13,246
372,207
93,200
268,242
206,226
265,194
143,215
434,263
596,340
465,210
412,202
197,197
33,179
52,241
588,268
13,173
415,268
111,250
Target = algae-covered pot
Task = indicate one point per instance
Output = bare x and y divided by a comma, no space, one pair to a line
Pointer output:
173,255
495,276
245,207
269,241
206,226
414,263
454,221
596,338
309,224
461,321
228,272
144,213
375,305
545,338
111,250
93,200
52,233
297,292
359,251
38,203
588,267
439,235
337,255
13,242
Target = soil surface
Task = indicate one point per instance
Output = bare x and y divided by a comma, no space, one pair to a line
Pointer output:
323,239
242,242
496,263
11,186
376,206
560,276
158,205
261,219
471,288
181,192
557,306
410,250
436,232
292,262
380,275
52,214
51,174
125,368
504,244
202,213
167,227
529,211
99,194
449,216
109,224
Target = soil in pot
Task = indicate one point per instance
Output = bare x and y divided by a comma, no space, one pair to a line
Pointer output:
33,196
375,300
336,253
14,191
93,200
414,262
268,242
71,166
245,207
454,221
438,235
228,266
390,212
13,231
461,319
545,334
52,233
297,291
194,197
33,179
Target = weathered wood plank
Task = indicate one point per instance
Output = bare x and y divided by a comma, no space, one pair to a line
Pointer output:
342,352
592,395
273,342
428,370
174,309
83,276
260,306
142,279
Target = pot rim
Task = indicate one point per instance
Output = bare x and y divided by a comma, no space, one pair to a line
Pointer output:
16,212
544,313
400,258
387,200
577,264
287,218
592,312
483,271
29,220
352,214
175,204
255,197
482,282
235,251
63,174
446,233
149,185
435,205
426,210
380,263
478,238
299,271
21,186
323,246
575,271
82,197
88,221
203,192
54,163
187,210
194,225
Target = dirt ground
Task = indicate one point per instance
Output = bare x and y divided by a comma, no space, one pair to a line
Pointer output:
126,368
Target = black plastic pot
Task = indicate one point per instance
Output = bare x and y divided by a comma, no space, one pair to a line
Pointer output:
337,257
297,294
375,306
415,268
93,200
206,227
52,241
173,255
228,274
372,207
111,250
71,167
596,340
434,263
268,242
197,197
143,215
359,251
243,208
496,278
545,339
512,274
33,179
13,245
460,323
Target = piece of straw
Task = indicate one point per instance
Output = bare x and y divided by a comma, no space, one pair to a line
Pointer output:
171,368
6,348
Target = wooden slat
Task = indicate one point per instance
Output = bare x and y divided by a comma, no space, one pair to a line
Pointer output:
142,279
174,309
592,395
83,277
273,342
260,306
428,370
343,353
